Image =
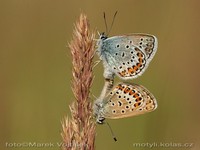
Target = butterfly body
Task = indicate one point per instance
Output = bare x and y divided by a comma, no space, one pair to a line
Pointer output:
124,100
127,56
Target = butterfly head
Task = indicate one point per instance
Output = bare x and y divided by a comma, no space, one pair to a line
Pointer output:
97,110
103,36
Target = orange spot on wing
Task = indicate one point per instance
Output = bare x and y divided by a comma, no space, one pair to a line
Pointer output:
137,104
126,90
131,70
120,87
135,68
137,99
140,55
139,65
140,60
136,96
131,92
123,73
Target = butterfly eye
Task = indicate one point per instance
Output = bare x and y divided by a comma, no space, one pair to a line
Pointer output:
127,46
103,36
117,45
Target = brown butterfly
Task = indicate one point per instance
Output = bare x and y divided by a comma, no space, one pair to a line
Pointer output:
124,100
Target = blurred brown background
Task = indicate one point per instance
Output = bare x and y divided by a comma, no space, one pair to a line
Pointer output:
35,69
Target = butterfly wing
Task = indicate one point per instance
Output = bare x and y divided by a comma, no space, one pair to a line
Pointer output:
126,100
128,56
148,44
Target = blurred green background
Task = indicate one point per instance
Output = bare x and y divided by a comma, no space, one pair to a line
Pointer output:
35,66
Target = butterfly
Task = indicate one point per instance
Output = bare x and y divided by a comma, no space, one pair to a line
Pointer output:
124,100
127,56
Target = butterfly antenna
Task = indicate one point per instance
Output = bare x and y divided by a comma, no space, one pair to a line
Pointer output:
112,22
114,137
104,17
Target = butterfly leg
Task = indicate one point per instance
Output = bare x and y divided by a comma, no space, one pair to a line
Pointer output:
96,63
107,73
109,84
